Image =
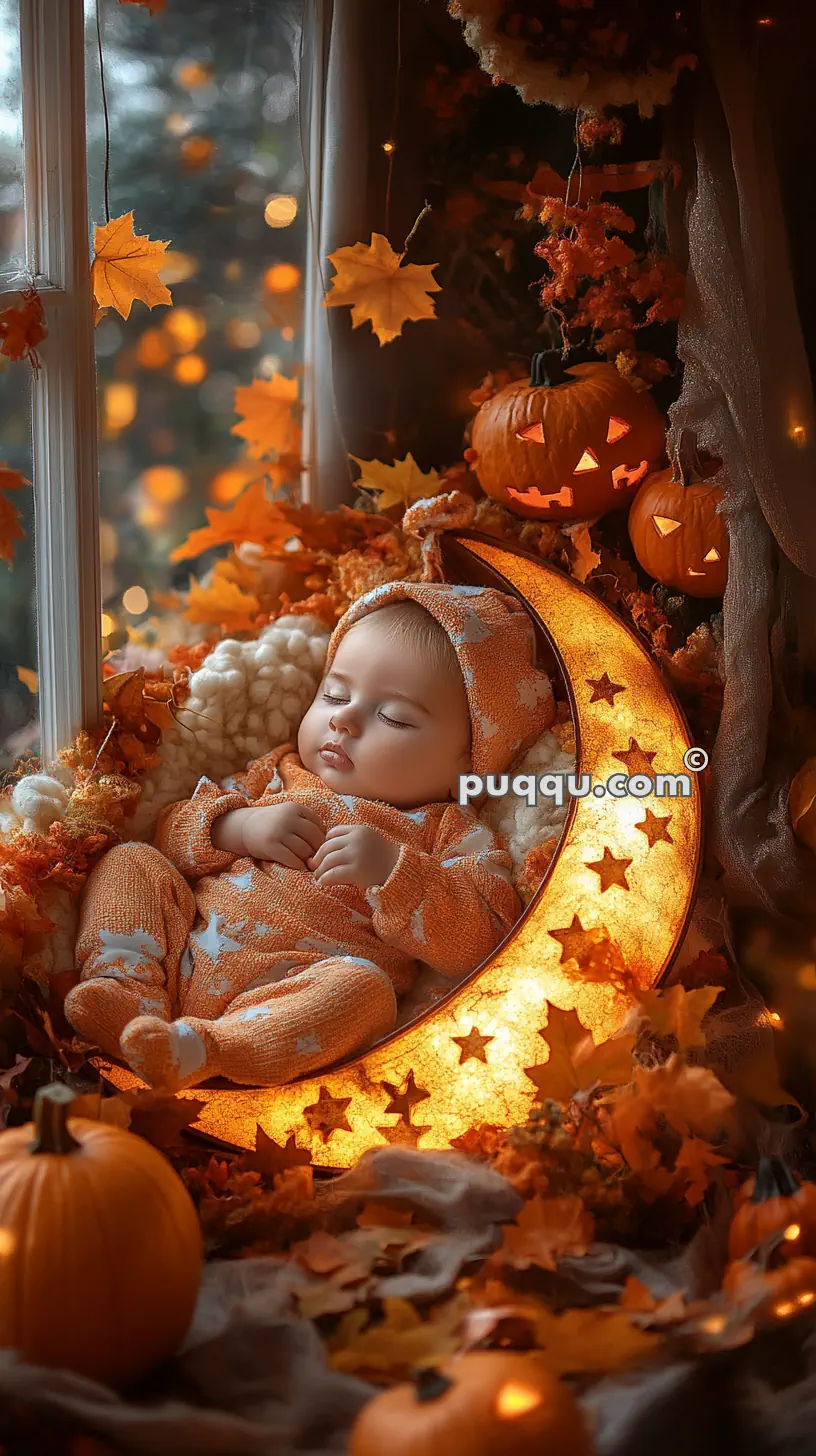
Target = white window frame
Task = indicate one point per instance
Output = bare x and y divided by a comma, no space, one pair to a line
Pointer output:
68,588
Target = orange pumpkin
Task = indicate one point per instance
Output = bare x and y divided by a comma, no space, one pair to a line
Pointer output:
678,536
100,1246
778,1204
484,1403
567,445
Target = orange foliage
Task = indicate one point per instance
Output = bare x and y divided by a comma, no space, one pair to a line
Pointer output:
23,328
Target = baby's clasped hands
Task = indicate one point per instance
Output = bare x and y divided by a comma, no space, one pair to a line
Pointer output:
354,854
285,833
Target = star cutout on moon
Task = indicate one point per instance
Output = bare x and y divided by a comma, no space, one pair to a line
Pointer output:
327,1114
637,760
403,1102
472,1045
655,827
604,689
403,1134
611,871
576,943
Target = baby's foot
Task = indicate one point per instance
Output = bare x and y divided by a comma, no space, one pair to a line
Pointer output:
168,1055
101,1007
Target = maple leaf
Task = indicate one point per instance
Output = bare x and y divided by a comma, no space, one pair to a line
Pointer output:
23,328
11,528
690,1099
380,287
547,1228
221,604
584,559
399,484
678,1013
252,517
160,1117
583,1340
113,1110
575,1063
695,1161
269,1158
390,1350
271,417
154,6
637,1299
126,267
29,678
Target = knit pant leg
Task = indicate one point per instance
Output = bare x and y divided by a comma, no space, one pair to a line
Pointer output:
136,916
270,1035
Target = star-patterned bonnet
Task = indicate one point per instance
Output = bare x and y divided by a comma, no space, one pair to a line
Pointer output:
510,699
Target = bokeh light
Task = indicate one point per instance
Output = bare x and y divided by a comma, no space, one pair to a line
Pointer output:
164,483
281,278
242,333
135,600
121,399
192,74
281,210
196,151
186,328
153,349
190,369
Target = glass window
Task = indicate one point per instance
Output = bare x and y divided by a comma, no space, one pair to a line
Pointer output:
19,721
205,151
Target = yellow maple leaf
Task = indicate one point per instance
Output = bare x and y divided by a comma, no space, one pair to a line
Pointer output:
547,1228
391,1349
126,267
271,423
575,1062
399,484
678,1012
380,287
222,604
584,558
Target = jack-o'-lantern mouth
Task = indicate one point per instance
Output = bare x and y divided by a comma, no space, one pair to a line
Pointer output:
624,477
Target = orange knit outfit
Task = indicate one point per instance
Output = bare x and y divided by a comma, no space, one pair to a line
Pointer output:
259,975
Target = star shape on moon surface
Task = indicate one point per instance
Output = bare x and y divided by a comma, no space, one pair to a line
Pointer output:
473,1045
611,871
604,689
327,1114
655,827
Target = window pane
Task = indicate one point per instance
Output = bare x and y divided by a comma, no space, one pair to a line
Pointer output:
19,719
205,150
12,231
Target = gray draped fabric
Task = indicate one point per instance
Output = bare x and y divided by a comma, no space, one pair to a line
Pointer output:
747,398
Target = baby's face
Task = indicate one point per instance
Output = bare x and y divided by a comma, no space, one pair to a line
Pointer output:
385,725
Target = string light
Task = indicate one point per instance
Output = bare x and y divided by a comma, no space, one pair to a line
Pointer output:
389,147
783,1310
775,1018
805,1298
792,1232
714,1324
515,1399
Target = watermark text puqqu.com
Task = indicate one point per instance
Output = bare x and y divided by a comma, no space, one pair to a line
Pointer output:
559,786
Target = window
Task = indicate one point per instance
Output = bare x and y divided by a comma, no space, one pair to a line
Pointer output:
205,147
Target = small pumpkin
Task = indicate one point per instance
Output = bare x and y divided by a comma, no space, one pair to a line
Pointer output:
778,1203
802,803
678,535
100,1246
484,1403
567,445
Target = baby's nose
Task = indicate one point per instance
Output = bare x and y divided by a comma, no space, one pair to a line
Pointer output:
344,720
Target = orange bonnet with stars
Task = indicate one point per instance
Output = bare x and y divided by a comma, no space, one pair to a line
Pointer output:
510,699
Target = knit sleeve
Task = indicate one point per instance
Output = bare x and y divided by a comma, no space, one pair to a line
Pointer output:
184,830
451,907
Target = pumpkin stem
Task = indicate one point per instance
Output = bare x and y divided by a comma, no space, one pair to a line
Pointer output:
547,369
50,1120
774,1179
429,1383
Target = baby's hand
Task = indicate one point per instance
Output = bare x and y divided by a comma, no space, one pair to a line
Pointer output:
354,854
286,833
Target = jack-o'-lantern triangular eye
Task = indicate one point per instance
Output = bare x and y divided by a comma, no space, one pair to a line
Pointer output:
617,430
664,525
535,433
712,555
588,461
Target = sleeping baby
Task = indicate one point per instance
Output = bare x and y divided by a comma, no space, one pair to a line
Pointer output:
276,918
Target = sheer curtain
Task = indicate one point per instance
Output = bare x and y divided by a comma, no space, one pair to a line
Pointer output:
747,398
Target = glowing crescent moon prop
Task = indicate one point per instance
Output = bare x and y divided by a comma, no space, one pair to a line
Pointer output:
626,866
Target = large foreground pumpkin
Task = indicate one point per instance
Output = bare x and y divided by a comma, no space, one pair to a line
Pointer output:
100,1246
485,1403
568,444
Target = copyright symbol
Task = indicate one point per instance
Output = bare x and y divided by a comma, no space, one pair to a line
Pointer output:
695,759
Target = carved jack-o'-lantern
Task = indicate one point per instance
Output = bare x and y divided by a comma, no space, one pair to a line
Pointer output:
678,536
570,444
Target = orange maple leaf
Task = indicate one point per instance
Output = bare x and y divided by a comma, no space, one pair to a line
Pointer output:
271,423
11,528
252,517
222,604
547,1228
23,328
143,706
380,287
575,1063
678,1012
690,1099
154,6
126,267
